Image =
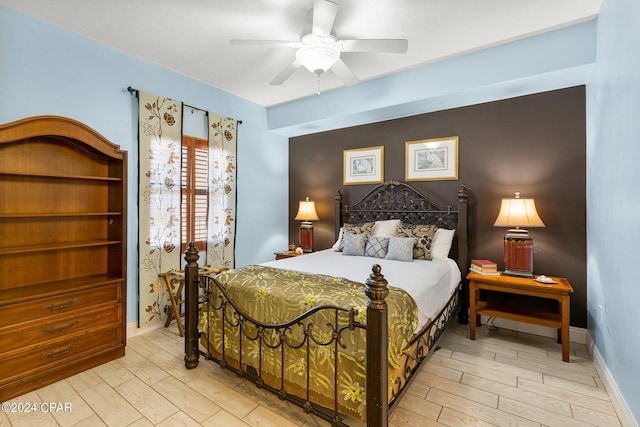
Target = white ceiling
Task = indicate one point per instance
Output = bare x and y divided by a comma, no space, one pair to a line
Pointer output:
192,37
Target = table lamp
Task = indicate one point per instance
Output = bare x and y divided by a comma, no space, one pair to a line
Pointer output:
518,244
306,214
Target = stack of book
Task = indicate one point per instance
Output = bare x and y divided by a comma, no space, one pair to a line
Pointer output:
483,266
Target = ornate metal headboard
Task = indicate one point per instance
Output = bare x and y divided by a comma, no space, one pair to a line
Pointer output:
398,200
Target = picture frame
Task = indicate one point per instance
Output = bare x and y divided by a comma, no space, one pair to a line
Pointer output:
364,166
431,159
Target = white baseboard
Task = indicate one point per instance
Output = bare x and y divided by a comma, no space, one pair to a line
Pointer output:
576,335
133,329
620,405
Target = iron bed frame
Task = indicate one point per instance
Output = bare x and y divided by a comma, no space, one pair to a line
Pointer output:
391,200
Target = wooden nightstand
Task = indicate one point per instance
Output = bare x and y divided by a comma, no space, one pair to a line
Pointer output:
288,254
522,286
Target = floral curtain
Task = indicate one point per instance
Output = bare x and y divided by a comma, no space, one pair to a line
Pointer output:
160,150
222,191
160,137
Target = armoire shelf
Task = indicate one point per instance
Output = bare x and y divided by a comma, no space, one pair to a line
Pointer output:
58,176
61,214
57,246
63,250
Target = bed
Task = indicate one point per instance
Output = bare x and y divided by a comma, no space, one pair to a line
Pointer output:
339,332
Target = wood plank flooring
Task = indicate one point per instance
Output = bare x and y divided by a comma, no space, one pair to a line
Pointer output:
504,378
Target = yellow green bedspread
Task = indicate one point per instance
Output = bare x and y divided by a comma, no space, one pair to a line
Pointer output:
275,296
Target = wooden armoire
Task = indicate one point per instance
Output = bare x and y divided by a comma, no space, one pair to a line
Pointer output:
63,211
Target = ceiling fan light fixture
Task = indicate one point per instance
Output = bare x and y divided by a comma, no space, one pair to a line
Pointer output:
318,53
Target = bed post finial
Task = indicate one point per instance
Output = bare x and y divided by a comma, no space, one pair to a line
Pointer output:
377,349
191,280
463,193
377,288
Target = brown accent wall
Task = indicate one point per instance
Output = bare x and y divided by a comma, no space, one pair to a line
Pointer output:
534,144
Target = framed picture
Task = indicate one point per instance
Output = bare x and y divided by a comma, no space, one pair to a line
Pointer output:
364,166
432,159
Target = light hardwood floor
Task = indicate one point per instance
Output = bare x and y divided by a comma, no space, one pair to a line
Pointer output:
503,378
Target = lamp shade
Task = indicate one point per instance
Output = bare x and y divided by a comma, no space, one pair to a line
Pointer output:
307,211
518,212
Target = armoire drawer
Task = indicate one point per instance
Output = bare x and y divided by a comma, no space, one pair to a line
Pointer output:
67,302
21,364
57,327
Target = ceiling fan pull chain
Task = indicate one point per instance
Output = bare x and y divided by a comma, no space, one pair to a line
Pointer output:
318,93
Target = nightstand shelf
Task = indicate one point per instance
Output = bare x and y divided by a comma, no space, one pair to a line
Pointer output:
521,286
542,318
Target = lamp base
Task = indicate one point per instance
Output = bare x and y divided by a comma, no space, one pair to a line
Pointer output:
306,236
518,253
518,273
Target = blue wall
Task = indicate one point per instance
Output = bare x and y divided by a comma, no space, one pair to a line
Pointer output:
613,196
45,70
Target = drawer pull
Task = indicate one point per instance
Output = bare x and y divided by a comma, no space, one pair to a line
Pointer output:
61,304
61,351
60,328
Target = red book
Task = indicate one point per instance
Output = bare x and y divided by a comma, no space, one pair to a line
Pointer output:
483,263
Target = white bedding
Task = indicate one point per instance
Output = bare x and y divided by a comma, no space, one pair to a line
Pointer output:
430,283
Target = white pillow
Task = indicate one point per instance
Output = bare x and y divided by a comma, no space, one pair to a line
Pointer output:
336,245
441,244
386,228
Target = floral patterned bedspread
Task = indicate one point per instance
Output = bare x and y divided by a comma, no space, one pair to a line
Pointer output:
275,296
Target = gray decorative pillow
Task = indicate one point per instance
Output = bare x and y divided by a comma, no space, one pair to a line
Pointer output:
423,235
376,247
354,244
366,228
400,248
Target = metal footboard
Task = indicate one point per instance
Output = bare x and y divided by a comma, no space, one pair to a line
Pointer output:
344,320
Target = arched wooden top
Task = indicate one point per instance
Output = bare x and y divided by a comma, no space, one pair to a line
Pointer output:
62,127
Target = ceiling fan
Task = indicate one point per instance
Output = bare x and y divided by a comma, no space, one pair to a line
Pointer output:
320,50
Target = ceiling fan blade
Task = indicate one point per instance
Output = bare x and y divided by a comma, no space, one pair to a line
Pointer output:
324,13
344,73
375,45
284,43
286,73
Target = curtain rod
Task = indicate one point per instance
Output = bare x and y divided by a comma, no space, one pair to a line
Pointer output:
133,91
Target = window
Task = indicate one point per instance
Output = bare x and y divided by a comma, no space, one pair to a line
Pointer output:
194,200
